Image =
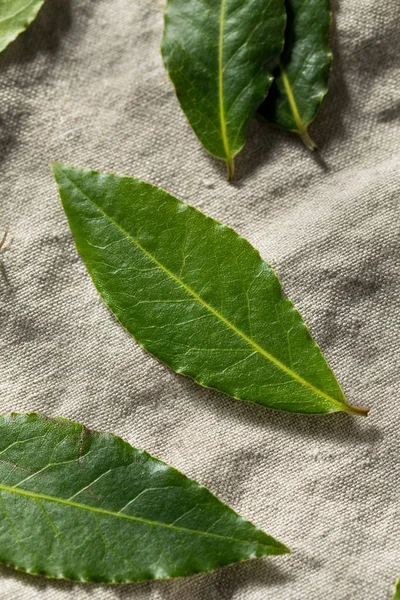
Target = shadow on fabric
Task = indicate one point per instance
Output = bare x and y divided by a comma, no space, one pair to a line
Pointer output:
42,36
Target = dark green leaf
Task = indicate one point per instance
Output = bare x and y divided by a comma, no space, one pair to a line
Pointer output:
217,54
15,16
302,79
195,294
86,506
397,593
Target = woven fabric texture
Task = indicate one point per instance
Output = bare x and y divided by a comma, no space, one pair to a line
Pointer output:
85,85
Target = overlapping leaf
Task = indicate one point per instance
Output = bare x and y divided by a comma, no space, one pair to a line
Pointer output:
195,294
301,80
87,506
15,16
217,54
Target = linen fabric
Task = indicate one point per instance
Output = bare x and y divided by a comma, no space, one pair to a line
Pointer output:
85,85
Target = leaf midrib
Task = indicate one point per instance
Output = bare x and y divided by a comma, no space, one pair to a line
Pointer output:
217,314
292,101
38,496
221,82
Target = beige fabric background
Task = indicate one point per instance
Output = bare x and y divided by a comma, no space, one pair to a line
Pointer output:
85,85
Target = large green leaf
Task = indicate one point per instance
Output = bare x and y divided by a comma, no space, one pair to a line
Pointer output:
218,54
15,16
397,593
86,506
301,80
195,294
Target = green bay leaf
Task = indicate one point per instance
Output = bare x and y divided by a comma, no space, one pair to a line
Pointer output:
87,506
195,294
397,592
218,55
301,80
15,16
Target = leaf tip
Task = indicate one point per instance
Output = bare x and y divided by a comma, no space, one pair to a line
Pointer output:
284,549
275,548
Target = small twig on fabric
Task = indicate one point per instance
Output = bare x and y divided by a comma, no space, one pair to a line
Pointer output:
3,239
2,267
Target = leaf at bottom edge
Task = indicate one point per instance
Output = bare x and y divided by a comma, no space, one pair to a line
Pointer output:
86,506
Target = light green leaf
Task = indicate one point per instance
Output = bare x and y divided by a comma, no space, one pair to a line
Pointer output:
218,55
301,80
15,16
397,593
86,506
195,294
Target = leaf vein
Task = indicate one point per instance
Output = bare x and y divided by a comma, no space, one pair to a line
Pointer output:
211,309
110,513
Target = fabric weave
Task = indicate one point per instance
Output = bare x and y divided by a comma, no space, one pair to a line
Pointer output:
85,85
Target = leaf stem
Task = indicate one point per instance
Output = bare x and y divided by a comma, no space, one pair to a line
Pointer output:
3,239
301,127
357,410
230,164
305,136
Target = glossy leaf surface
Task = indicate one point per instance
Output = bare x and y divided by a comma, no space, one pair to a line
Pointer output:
397,593
301,80
195,294
87,506
15,16
217,54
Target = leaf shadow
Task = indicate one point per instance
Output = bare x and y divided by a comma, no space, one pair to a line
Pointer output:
390,114
337,427
261,144
42,36
225,581
4,279
9,124
329,125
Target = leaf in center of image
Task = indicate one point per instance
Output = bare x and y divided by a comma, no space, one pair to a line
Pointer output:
195,294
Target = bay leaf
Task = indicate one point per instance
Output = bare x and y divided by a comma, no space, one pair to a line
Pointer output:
397,593
195,294
218,55
15,16
301,80
87,506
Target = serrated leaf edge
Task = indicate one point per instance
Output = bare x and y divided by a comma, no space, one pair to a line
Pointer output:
341,406
22,28
280,550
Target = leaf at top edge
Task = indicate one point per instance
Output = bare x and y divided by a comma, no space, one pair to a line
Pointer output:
15,16
195,294
301,80
217,54
87,506
397,592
